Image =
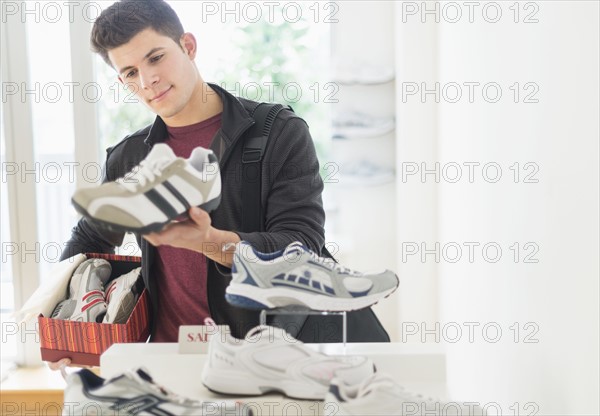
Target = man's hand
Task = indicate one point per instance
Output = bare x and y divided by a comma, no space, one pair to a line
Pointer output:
190,234
197,234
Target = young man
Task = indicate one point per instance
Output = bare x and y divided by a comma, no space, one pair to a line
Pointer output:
184,268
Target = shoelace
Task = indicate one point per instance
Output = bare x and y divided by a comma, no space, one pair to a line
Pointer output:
331,264
143,173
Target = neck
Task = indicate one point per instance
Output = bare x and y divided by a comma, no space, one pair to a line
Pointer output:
204,104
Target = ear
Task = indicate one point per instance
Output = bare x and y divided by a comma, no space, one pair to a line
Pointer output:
188,44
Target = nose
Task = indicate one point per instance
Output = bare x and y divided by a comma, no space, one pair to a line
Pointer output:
148,78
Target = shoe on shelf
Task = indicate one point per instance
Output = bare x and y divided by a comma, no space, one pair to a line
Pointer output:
135,393
365,173
269,360
297,277
86,293
121,296
354,124
380,395
161,188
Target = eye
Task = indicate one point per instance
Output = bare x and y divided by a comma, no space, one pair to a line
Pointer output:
131,73
156,58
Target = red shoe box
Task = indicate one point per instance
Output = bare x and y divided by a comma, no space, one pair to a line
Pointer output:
84,342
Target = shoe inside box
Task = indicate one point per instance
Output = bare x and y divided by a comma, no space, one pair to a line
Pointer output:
119,267
63,338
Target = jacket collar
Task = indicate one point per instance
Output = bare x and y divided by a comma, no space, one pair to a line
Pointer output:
235,120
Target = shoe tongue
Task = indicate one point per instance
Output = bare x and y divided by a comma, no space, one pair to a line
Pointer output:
160,151
295,247
144,375
140,374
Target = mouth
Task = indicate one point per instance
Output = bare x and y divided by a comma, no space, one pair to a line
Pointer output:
160,96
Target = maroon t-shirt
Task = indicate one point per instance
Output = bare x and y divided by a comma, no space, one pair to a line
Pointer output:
180,273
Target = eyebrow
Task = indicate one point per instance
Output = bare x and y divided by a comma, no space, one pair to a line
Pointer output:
148,55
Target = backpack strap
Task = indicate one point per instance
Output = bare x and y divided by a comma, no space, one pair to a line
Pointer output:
255,143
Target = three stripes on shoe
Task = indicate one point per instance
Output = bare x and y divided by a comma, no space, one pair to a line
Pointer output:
155,196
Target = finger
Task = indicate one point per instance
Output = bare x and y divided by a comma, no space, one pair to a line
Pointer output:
196,213
199,216
57,365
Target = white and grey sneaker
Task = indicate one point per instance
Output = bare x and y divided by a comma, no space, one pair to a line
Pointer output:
122,294
297,277
86,301
135,393
380,395
161,188
268,359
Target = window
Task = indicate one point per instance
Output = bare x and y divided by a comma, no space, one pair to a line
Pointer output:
53,138
277,52
269,59
7,302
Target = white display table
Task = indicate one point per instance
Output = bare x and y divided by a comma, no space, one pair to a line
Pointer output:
420,368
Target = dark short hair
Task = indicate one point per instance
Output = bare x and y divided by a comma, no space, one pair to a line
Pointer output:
120,22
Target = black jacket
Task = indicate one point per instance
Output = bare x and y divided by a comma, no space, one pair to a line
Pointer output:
291,201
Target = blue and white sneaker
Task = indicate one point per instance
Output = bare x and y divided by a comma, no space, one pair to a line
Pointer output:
135,393
297,277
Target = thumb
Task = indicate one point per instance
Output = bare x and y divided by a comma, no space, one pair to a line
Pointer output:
196,213
57,365
199,216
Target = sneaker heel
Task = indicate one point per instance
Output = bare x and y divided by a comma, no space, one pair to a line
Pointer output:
212,204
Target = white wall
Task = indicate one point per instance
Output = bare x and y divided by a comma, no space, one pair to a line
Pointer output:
416,141
558,295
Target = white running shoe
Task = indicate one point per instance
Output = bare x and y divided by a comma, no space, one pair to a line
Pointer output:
380,395
296,276
86,293
135,393
269,359
121,296
161,188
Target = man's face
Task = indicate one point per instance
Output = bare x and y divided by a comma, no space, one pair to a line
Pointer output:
161,73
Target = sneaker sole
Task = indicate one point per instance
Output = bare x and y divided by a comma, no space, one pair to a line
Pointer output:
151,228
252,297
